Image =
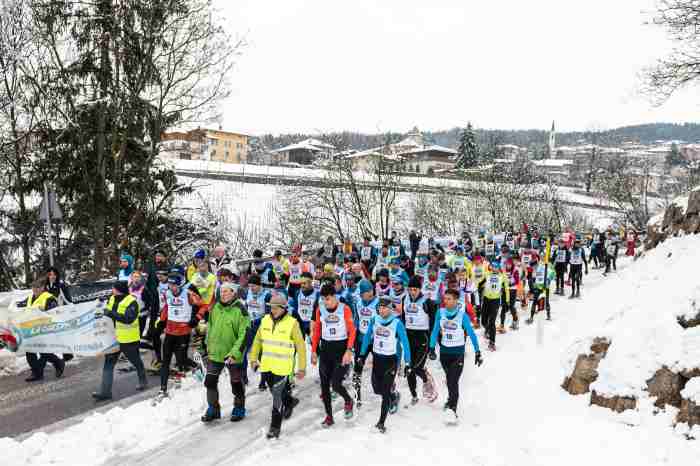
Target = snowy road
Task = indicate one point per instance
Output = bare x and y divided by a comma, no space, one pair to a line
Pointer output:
512,409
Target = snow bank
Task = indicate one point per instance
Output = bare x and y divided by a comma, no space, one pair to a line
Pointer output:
691,391
118,431
642,310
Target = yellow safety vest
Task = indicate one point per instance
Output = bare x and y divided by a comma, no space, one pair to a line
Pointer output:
40,302
207,292
277,345
125,333
494,284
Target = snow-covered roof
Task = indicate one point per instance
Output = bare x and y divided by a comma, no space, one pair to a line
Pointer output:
553,163
433,148
310,144
374,153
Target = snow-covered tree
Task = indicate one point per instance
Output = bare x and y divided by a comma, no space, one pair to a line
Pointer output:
467,152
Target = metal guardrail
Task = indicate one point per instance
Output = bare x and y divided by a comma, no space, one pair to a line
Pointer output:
284,180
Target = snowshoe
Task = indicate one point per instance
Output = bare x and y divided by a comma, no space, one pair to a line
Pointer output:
429,391
327,422
100,397
273,433
289,409
379,427
212,413
162,394
501,329
395,403
529,321
492,347
451,417
514,325
348,411
237,414
414,401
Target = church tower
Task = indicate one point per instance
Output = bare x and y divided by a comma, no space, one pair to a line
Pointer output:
552,141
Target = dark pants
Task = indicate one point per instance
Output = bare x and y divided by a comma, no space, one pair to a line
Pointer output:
539,304
38,363
508,306
418,342
489,308
131,351
560,269
383,374
452,364
576,276
595,255
177,345
610,261
281,396
211,382
480,314
332,372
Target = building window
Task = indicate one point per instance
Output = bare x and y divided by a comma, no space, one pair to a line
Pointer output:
227,155
213,153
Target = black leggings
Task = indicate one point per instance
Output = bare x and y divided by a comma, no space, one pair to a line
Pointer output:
281,396
560,269
383,375
452,364
576,275
177,345
508,306
489,308
418,342
211,382
332,373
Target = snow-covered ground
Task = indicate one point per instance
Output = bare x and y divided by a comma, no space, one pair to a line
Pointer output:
513,412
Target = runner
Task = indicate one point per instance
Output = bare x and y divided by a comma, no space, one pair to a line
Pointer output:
578,259
508,303
496,283
256,301
419,318
384,335
332,343
449,329
304,303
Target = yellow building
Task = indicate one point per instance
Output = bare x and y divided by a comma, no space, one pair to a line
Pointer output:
206,144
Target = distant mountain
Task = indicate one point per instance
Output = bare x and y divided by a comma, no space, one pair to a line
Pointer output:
531,138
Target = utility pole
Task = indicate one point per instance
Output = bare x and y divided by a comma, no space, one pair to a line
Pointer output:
49,211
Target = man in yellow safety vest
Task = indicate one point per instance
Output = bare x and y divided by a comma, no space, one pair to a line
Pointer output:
123,309
276,342
42,300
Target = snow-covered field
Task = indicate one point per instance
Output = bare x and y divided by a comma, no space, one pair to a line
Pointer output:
513,411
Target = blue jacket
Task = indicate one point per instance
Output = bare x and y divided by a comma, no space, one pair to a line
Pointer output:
402,347
466,325
401,273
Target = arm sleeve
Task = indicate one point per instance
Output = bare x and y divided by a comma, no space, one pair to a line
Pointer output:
236,351
257,346
470,310
470,331
66,293
164,313
431,309
367,339
435,333
350,325
129,316
403,339
300,346
316,331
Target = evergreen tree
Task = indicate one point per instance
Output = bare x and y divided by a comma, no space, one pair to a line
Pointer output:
467,152
674,158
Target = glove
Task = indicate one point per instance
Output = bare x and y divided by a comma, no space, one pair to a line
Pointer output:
229,361
160,325
432,354
477,359
202,327
408,370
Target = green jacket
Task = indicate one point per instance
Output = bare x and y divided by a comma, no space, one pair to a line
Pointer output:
226,331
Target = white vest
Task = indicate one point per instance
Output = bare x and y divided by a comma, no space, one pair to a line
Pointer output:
384,341
255,305
451,329
415,315
576,256
431,289
305,305
179,307
366,253
333,326
366,313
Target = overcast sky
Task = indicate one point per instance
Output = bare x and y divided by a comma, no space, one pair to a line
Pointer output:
379,65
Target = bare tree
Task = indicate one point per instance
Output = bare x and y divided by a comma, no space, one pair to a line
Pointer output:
681,67
627,187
